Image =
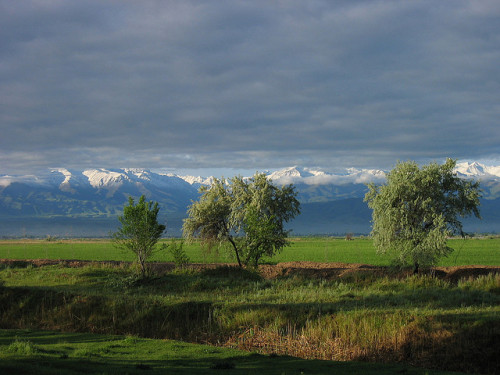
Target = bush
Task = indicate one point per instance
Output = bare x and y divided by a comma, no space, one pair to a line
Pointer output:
176,249
22,347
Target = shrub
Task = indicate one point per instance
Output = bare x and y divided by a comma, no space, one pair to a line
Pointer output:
176,249
22,347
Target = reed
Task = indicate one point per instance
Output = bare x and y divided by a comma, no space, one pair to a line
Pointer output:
422,320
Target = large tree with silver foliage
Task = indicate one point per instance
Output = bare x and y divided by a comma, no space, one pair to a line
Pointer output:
418,208
248,214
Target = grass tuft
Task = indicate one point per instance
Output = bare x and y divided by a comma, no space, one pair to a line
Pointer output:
23,348
487,283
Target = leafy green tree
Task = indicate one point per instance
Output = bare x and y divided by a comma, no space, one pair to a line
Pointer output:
140,230
248,214
418,208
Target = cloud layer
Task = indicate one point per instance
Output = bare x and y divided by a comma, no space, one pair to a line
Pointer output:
238,84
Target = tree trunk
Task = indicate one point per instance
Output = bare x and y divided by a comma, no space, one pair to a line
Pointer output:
415,268
142,263
235,251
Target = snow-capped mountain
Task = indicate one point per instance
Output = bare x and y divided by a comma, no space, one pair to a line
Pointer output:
331,202
197,180
478,171
109,180
313,185
89,192
112,179
307,176
294,173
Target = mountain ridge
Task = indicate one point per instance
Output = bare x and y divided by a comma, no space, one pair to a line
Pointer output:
331,201
102,177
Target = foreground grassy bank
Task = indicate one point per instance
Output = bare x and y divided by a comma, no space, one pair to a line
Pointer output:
324,249
364,315
43,352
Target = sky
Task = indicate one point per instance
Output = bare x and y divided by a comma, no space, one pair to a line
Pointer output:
247,85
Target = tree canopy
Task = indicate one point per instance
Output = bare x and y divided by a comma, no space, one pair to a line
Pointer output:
418,208
140,230
248,214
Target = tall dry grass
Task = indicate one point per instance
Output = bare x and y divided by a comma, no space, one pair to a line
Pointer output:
421,320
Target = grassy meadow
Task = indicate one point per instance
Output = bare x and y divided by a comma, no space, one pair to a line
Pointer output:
289,324
46,352
359,316
484,251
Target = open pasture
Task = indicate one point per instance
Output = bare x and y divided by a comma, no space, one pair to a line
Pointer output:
484,251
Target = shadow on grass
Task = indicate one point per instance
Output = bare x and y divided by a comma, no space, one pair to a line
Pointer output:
431,299
232,366
15,264
155,356
49,337
472,347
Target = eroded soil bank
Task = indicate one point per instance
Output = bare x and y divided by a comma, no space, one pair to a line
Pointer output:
271,271
396,326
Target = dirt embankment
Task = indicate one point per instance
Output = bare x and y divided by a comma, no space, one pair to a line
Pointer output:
339,270
305,269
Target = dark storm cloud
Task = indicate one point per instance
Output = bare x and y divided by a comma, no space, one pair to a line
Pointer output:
190,84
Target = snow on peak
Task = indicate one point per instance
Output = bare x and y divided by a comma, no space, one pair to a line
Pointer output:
197,180
291,172
363,176
478,170
111,180
317,177
65,185
101,177
470,169
141,174
294,174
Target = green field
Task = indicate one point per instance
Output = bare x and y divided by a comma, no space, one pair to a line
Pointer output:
42,352
361,316
422,320
467,252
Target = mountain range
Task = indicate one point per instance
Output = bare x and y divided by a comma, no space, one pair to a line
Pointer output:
65,202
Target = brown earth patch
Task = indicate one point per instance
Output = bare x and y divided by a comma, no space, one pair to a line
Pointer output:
464,272
286,269
314,269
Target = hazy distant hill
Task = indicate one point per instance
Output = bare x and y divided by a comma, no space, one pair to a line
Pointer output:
86,203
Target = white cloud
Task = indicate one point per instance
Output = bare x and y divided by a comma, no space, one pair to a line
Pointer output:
5,181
